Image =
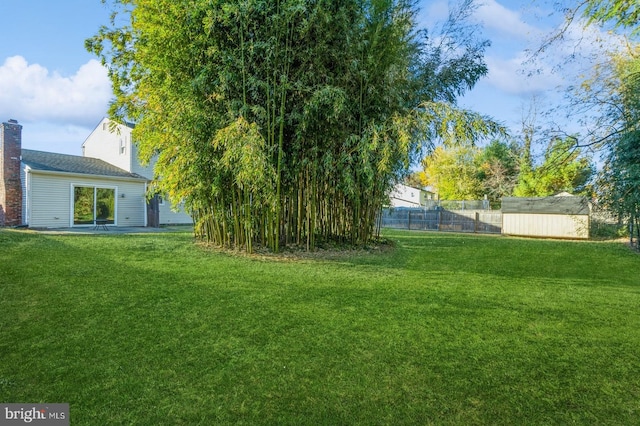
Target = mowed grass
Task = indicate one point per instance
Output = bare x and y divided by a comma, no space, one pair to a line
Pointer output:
153,329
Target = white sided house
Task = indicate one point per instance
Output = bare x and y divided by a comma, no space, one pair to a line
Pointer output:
112,143
61,191
407,196
104,187
48,190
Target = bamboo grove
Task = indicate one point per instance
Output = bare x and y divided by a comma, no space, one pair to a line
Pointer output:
285,121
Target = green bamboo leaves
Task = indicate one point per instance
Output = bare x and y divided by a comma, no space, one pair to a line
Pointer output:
282,121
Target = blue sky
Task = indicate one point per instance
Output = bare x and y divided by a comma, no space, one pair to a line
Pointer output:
59,92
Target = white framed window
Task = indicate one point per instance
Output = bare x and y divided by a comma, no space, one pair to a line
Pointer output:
123,146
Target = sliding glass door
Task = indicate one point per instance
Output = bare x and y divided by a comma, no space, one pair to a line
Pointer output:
93,205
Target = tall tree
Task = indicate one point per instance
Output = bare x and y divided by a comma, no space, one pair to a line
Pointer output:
466,172
605,102
619,181
453,172
285,121
498,171
564,169
609,100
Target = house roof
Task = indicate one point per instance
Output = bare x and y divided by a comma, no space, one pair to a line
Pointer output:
546,205
64,163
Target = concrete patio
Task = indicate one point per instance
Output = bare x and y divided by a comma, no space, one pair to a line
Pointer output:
112,230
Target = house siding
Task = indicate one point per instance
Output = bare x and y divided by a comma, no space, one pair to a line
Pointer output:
170,217
105,145
132,209
50,200
406,196
146,171
167,215
546,225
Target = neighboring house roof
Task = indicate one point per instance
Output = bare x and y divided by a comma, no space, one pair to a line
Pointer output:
64,163
546,205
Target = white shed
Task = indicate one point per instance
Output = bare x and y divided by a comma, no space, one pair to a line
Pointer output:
551,217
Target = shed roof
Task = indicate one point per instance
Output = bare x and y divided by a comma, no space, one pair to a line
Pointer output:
64,163
546,205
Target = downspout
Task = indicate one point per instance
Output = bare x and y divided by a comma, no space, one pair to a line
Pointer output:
26,196
144,205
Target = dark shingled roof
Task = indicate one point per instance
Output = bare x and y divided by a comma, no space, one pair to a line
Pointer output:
52,162
546,205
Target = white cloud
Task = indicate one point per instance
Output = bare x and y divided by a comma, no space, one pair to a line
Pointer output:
493,15
516,75
587,42
563,63
32,93
512,77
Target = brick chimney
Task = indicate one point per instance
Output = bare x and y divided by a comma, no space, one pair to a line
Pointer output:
10,183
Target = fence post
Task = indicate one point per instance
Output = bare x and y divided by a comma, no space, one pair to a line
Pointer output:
475,223
409,219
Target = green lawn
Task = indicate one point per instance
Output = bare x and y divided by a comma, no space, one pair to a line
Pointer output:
453,329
